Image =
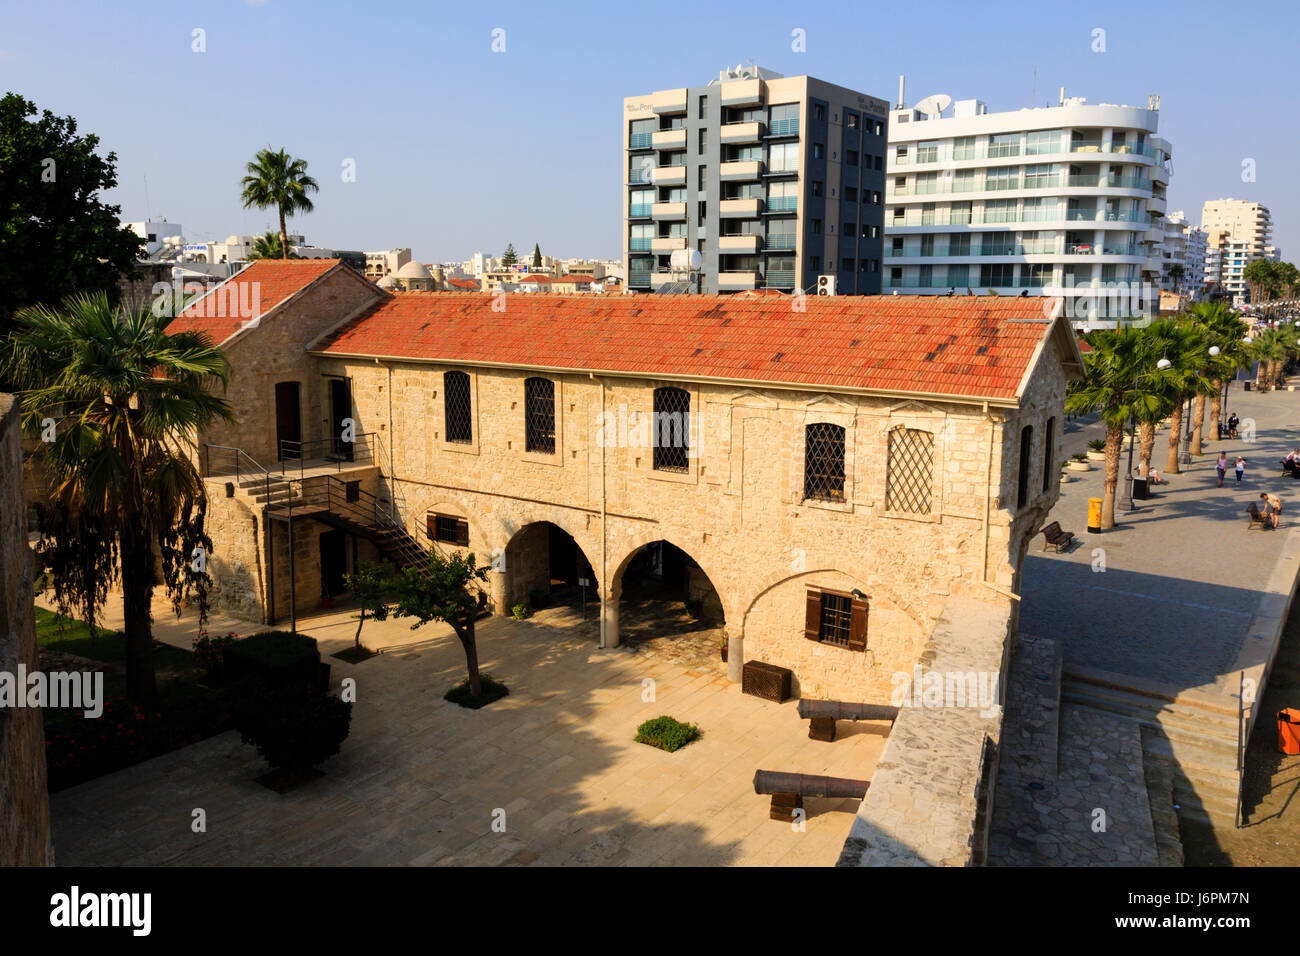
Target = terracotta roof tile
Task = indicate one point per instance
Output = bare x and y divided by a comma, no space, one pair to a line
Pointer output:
249,295
962,346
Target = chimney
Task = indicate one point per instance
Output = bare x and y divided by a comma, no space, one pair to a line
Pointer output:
901,104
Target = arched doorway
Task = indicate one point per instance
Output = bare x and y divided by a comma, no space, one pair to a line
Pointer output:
669,607
546,567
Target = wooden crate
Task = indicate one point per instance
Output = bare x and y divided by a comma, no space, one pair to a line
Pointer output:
766,681
784,806
821,728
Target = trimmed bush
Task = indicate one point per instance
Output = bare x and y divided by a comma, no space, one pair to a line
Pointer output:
520,611
666,733
294,727
492,690
280,658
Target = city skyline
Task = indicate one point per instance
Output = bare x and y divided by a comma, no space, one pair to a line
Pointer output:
537,123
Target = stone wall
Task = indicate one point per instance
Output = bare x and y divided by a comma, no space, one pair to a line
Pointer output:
931,791
24,806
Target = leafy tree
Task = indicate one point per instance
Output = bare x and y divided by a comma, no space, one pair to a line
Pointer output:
277,179
509,257
267,246
370,587
445,589
56,235
125,399
537,255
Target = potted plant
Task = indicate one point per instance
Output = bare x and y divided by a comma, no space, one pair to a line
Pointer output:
1097,450
1065,472
1079,463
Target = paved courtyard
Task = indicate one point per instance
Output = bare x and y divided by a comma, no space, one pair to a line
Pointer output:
1182,574
421,781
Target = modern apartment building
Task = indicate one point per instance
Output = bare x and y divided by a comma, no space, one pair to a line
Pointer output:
1184,247
1065,200
773,180
1241,232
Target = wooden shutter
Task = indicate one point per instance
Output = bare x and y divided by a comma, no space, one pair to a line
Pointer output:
462,531
812,625
432,526
858,625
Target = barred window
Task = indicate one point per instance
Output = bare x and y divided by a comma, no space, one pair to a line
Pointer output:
833,617
672,429
539,415
909,485
823,464
448,529
1049,439
455,399
1022,477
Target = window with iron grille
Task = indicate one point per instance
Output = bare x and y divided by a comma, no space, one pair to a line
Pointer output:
1022,477
672,429
833,617
1049,440
823,463
909,486
455,400
448,529
539,415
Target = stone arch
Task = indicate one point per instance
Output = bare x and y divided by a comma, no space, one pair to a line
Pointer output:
853,570
526,567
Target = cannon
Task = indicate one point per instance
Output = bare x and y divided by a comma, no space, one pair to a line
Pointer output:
822,715
789,789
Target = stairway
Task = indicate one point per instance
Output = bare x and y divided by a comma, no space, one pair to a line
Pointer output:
1195,740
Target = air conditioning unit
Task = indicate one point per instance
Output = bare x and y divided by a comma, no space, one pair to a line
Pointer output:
825,285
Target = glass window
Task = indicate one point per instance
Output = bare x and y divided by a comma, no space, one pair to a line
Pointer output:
823,475
783,157
456,407
1004,144
1043,141
672,428
963,147
539,415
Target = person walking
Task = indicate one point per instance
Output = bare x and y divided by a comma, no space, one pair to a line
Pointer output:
1240,467
1221,466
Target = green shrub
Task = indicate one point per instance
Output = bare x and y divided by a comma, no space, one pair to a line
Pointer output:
520,611
666,733
492,690
1097,444
294,727
279,657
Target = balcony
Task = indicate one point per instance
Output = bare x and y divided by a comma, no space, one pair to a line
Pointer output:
744,170
780,279
638,210
668,210
783,204
668,101
641,172
786,127
639,245
742,92
738,208
667,243
781,242
741,132
669,176
639,140
739,244
737,281
1157,204
668,139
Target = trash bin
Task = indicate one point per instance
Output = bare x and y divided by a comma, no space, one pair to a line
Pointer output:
1141,490
1246,386
1288,731
1094,515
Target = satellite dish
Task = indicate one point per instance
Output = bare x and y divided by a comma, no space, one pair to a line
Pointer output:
686,260
934,105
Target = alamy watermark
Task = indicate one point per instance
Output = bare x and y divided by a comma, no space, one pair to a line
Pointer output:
936,689
76,690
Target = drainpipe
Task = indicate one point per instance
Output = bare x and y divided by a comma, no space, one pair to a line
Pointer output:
604,579
988,505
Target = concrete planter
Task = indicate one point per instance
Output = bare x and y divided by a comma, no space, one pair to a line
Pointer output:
1065,477
1096,455
1079,465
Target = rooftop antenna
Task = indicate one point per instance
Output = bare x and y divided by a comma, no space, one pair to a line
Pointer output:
901,102
1062,96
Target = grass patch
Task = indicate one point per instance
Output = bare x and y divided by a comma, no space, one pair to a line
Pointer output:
492,690
666,733
69,636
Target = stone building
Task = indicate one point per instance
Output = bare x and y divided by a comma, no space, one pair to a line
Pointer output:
821,475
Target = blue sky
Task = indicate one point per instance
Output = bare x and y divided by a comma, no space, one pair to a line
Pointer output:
459,149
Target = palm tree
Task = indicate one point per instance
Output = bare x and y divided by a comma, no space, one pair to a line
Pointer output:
1187,352
1224,330
267,246
276,179
1114,386
127,400
1270,349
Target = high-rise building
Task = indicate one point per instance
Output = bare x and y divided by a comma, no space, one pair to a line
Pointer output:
773,180
1242,232
1064,200
1184,248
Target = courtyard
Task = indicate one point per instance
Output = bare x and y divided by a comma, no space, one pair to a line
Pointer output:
421,781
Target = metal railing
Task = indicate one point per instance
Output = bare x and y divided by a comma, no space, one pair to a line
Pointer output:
347,501
326,451
783,204
783,127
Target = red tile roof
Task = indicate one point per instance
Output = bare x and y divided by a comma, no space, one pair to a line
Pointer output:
574,278
464,283
972,347
249,295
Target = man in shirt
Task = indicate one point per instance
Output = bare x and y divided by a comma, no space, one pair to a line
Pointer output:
1272,508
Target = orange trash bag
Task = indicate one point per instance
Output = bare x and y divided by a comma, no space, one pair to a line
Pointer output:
1288,730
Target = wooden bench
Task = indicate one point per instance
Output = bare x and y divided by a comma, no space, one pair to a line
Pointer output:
1256,519
1054,537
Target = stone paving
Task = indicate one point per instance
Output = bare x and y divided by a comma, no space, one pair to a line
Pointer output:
419,779
1182,574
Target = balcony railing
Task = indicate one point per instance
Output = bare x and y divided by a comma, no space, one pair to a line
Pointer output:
783,204
781,241
779,278
640,174
638,210
640,245
783,127
639,140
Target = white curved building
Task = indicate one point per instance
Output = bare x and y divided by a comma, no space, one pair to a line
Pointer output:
1064,200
